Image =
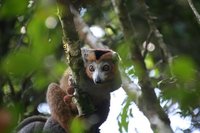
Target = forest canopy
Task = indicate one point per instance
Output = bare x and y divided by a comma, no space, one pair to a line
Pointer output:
157,41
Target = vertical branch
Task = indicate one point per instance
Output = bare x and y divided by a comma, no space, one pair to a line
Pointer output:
149,103
72,49
71,42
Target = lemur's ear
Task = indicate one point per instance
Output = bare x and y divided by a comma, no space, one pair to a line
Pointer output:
116,56
86,54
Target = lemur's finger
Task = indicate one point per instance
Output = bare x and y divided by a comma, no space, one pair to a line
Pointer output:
67,99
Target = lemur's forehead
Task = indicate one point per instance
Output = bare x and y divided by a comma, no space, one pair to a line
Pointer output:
97,55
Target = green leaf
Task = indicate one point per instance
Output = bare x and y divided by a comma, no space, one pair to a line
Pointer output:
184,68
149,62
77,126
123,120
124,52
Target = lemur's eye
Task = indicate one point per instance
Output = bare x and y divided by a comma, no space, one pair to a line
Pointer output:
91,68
106,68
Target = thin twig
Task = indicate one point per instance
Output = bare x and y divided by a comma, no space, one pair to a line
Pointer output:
150,19
12,89
197,15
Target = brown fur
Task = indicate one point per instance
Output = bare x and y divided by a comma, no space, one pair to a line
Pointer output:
59,97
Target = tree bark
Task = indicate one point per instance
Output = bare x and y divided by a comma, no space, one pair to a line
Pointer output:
149,103
72,47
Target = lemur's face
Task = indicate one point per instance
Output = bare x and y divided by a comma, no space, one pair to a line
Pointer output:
100,72
100,65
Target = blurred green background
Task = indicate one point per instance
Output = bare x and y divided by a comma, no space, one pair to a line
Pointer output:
31,53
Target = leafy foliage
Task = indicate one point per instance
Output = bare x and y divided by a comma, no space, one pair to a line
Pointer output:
123,118
30,54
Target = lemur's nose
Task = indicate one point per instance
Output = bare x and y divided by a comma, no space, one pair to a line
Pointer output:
97,80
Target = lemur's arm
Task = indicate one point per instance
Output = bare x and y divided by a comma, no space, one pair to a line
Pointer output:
61,106
62,111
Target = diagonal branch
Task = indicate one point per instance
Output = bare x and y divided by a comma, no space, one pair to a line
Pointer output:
84,31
